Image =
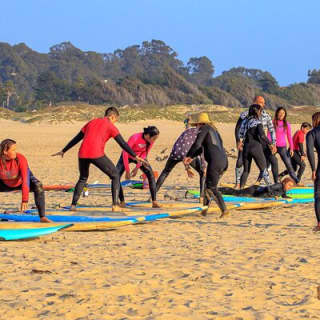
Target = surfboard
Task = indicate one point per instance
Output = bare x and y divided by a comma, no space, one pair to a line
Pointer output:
21,233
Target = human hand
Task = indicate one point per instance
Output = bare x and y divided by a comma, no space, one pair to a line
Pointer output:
291,153
60,153
240,145
128,176
189,173
187,161
313,176
134,172
23,206
303,158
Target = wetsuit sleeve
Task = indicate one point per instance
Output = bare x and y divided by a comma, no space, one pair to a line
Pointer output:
119,139
301,149
237,129
271,130
23,168
73,142
310,150
197,145
131,142
289,137
262,135
242,130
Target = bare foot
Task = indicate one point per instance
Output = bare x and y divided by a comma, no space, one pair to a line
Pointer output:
316,229
119,209
122,204
73,208
236,186
155,204
45,220
225,213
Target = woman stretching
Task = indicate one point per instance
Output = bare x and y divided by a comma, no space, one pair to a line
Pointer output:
252,137
210,143
16,175
141,143
178,153
283,133
313,141
95,135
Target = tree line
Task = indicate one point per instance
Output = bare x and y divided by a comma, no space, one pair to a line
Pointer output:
150,73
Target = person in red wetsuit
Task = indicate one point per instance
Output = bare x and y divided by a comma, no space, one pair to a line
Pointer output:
95,134
16,175
141,143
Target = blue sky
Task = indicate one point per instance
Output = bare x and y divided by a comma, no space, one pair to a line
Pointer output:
279,36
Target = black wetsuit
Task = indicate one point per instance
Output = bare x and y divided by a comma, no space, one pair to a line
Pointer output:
313,141
296,161
254,138
210,142
35,186
274,190
103,163
146,169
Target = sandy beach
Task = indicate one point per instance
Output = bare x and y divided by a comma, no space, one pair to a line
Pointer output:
253,264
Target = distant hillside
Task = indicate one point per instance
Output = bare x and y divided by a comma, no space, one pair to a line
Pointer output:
84,112
150,73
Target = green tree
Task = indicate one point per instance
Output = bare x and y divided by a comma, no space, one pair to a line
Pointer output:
200,70
314,76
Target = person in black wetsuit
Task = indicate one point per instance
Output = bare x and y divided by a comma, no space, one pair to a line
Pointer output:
313,142
95,135
272,191
267,124
209,140
252,137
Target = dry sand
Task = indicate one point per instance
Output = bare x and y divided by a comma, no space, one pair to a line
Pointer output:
250,265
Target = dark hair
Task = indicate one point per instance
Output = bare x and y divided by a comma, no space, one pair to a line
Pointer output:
112,111
5,146
306,125
254,111
275,120
316,119
151,131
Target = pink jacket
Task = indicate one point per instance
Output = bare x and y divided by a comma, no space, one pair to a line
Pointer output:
281,134
139,146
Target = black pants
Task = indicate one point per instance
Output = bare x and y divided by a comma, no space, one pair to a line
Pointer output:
216,168
107,167
296,162
317,194
171,163
147,170
35,187
271,160
283,152
254,150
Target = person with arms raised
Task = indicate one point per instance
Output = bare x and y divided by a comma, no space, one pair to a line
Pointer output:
95,134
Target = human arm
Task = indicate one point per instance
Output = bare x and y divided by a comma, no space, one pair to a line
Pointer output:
289,137
262,135
71,144
121,142
271,130
237,129
194,150
125,155
24,173
310,151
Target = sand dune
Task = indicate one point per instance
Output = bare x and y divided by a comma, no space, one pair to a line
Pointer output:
249,265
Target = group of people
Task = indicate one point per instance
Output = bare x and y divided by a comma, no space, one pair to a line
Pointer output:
200,146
